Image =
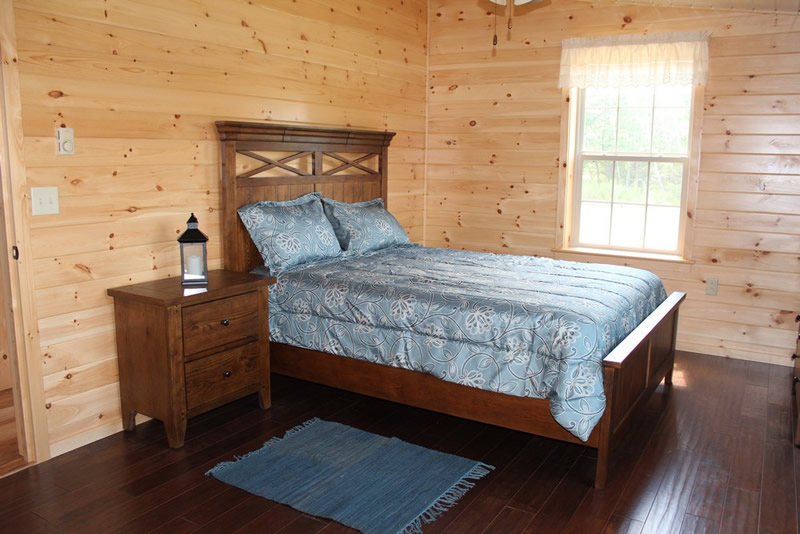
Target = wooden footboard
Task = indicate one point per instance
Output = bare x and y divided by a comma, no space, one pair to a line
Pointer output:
632,371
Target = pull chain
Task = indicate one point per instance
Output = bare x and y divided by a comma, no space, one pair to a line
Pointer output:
494,39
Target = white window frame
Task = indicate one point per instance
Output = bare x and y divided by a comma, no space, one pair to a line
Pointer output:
569,186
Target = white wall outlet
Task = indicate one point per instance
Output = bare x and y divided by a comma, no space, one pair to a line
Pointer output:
44,200
712,286
65,138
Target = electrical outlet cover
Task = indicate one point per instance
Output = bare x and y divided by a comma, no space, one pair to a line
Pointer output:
712,286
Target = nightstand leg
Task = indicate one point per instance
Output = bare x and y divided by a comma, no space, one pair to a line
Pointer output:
128,416
264,398
176,432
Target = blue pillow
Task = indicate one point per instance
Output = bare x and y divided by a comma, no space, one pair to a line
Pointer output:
290,233
364,226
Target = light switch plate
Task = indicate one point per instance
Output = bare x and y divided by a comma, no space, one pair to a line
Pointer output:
65,139
44,200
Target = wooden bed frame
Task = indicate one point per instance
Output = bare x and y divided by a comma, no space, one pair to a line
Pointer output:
262,161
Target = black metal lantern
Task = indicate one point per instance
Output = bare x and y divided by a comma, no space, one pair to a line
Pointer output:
194,261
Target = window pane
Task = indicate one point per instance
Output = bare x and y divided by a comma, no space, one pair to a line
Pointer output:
634,130
595,219
627,226
601,97
596,180
636,97
630,182
666,184
671,131
662,228
669,96
599,130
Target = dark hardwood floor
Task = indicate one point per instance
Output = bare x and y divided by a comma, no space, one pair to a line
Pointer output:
712,454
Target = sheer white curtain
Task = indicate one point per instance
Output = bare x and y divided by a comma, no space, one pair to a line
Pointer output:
678,58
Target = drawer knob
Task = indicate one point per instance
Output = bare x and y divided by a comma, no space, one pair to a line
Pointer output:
225,322
226,374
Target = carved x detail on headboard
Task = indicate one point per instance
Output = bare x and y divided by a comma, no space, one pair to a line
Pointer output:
284,161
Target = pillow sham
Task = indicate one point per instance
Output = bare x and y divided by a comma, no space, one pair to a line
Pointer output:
290,233
364,226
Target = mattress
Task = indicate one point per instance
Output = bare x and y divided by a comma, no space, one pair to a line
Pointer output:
532,327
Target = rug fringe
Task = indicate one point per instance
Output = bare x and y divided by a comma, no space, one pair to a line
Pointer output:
224,465
291,431
448,499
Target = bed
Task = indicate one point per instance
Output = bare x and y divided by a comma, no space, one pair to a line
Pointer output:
263,161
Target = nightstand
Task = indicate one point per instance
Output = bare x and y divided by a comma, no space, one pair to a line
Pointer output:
185,350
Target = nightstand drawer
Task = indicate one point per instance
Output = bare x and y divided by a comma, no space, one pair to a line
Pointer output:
218,375
217,323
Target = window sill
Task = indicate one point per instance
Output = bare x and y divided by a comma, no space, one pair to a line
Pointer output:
626,254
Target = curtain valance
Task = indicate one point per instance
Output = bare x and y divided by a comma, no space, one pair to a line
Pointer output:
678,58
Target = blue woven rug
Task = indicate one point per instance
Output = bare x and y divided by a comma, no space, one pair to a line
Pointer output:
371,483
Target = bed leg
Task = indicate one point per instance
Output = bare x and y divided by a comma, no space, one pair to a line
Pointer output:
672,348
604,445
601,473
668,376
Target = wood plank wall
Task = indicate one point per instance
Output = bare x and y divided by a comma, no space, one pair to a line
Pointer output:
141,82
494,132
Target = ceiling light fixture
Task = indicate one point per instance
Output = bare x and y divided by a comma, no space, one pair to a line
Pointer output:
511,4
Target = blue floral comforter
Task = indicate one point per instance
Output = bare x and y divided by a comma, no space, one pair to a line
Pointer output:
532,327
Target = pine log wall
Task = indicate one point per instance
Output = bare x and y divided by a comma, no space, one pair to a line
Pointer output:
142,83
494,132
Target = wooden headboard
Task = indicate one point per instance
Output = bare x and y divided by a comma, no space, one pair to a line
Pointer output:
262,161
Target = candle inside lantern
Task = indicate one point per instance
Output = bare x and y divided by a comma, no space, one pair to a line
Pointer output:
194,265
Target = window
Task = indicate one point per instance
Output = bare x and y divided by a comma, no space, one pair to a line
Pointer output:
631,167
627,142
